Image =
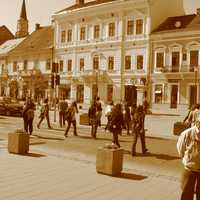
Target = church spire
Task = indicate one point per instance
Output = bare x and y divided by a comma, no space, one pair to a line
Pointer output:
22,23
23,11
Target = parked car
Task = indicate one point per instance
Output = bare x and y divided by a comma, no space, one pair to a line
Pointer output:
10,107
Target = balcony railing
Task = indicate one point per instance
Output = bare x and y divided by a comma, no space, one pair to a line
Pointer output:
176,69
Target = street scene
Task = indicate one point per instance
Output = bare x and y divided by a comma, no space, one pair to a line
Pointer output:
99,99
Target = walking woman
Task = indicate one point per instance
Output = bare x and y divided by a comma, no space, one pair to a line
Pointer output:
28,116
116,123
71,118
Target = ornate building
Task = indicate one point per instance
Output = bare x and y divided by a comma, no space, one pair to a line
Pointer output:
103,47
175,62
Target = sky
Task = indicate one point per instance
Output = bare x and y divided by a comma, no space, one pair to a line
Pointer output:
40,11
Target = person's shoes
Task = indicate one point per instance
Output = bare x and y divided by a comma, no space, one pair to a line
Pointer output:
38,126
145,151
133,154
65,135
75,134
50,127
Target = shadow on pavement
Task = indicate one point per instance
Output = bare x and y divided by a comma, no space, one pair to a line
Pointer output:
129,176
35,155
49,138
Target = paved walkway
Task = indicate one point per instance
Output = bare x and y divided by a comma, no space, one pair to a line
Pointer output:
41,175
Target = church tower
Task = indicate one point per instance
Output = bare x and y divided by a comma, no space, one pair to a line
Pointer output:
22,23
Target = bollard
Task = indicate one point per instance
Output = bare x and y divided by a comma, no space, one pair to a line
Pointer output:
18,142
109,160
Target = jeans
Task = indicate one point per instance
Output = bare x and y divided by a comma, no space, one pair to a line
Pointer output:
28,125
190,183
73,122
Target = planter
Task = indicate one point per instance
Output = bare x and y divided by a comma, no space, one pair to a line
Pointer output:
109,161
18,142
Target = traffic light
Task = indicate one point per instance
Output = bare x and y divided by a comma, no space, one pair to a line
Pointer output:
57,79
52,81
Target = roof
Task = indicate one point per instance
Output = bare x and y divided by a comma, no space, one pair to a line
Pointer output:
86,4
9,45
38,40
5,34
179,23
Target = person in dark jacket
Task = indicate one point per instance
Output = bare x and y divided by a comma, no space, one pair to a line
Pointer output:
127,118
116,123
93,119
62,107
139,130
44,114
28,116
71,118
99,110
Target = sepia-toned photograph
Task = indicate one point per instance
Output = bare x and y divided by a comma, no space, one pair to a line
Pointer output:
100,100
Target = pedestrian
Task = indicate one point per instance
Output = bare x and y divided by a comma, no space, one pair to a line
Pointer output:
188,147
133,109
62,107
108,113
71,118
139,130
127,117
93,119
44,113
28,115
116,123
99,110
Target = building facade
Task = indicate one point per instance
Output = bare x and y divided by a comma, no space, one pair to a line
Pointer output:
175,64
103,47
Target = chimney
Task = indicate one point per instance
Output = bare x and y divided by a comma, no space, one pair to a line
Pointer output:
198,11
37,27
80,2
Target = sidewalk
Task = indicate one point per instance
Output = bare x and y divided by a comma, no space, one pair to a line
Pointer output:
41,175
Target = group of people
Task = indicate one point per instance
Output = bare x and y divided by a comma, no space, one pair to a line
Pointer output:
119,117
66,113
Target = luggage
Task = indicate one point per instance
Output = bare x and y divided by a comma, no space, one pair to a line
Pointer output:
179,127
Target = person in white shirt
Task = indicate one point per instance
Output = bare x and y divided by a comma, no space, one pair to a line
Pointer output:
188,147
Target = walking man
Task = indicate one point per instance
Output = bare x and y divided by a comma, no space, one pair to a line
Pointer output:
188,147
44,113
62,106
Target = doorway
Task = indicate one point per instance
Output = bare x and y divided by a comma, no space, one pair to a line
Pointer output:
174,96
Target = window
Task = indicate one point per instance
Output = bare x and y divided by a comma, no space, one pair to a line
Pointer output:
25,65
109,93
14,66
80,93
96,62
111,32
194,57
110,63
139,26
130,27
127,62
61,65
63,35
175,61
82,64
48,64
160,60
139,62
69,35
96,31
82,33
158,93
69,65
